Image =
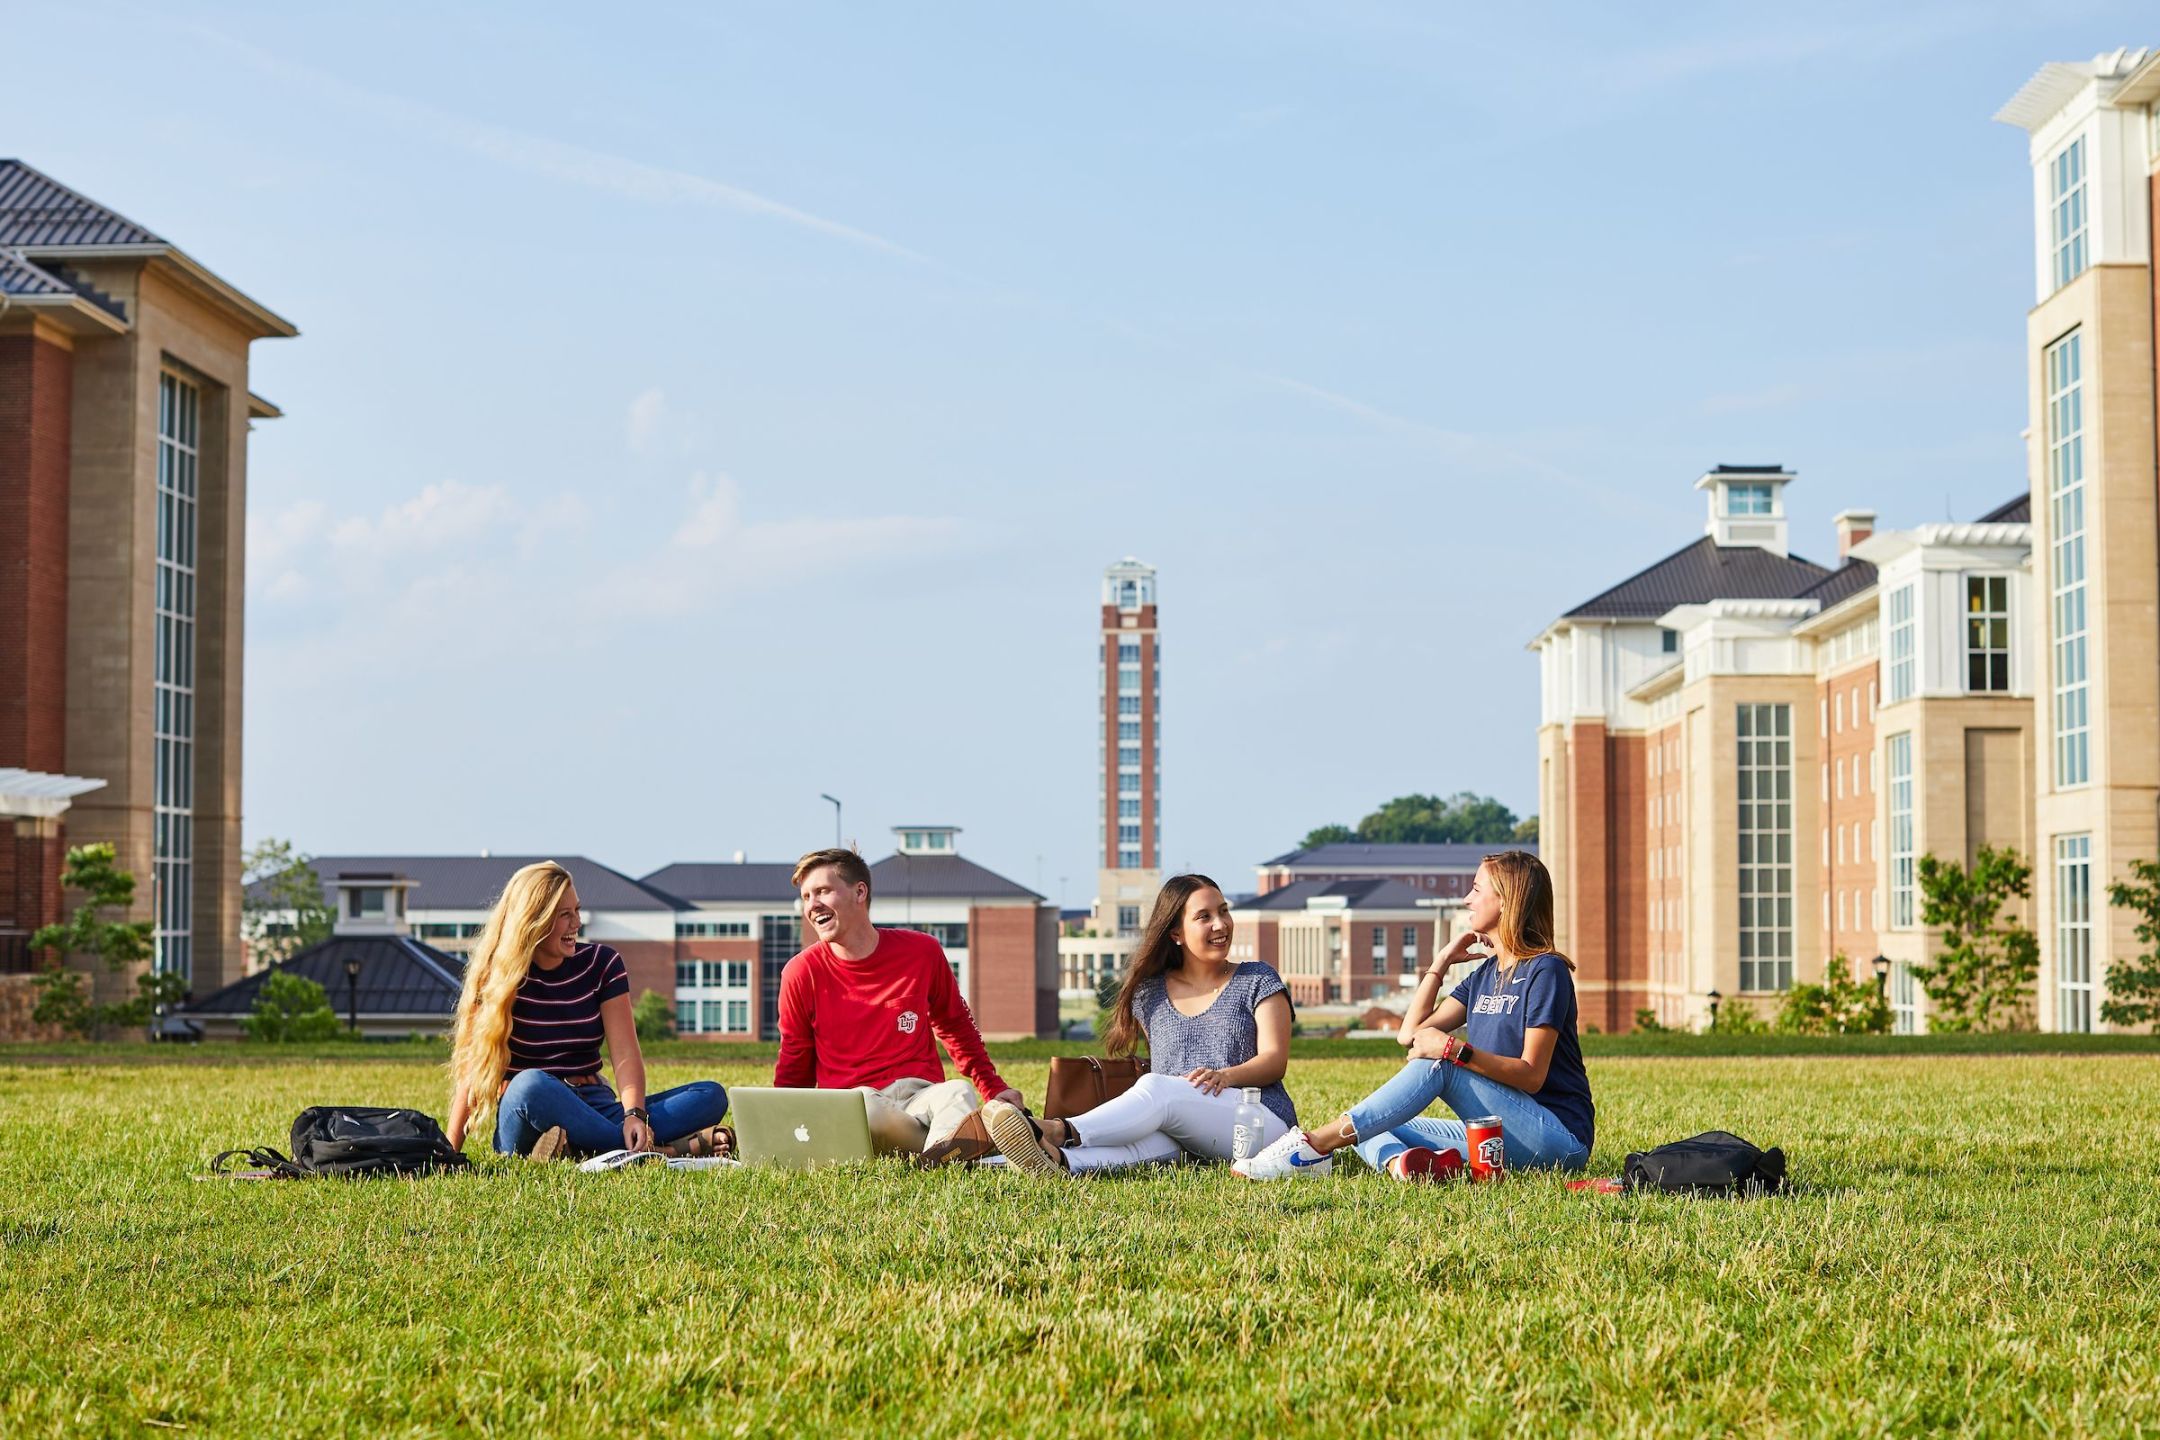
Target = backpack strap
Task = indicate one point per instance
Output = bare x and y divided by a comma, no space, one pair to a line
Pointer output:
258,1158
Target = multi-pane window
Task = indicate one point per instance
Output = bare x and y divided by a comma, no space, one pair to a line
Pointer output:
1409,949
173,778
1128,652
1128,730
2066,200
1129,809
1128,834
1987,632
738,1016
1129,783
712,929
1904,999
1903,667
1669,641
1128,919
1899,748
1747,499
2066,557
686,1017
779,936
1128,705
1128,757
1766,846
2073,933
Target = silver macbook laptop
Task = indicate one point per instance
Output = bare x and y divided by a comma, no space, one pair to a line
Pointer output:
799,1129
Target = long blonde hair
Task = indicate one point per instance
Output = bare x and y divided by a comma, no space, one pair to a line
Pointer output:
480,1045
1524,888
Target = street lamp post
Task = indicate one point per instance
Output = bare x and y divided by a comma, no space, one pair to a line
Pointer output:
835,820
1714,998
352,994
1881,964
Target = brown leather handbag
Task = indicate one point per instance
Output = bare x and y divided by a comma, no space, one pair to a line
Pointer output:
1079,1083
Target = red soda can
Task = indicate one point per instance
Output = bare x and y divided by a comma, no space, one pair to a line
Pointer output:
1488,1148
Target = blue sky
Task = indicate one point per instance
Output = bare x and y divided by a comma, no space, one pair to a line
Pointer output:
697,414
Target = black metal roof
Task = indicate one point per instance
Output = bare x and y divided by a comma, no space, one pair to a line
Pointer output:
398,976
21,278
1840,584
701,882
37,212
475,882
2017,511
1700,572
942,877
1378,894
1433,855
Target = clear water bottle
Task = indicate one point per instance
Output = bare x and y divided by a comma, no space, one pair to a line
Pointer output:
1248,1126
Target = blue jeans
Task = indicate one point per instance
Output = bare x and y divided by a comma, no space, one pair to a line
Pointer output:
535,1101
1387,1124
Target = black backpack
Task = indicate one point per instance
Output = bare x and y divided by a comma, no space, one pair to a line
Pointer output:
356,1140
1712,1163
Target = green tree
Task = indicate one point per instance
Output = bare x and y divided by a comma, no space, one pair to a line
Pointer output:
2134,985
1525,831
1327,835
1983,977
281,909
1461,818
1841,1005
1737,1017
94,871
654,1016
290,1008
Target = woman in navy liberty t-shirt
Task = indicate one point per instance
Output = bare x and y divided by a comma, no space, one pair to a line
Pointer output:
1518,1056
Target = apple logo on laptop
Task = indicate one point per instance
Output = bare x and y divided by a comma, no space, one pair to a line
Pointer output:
802,1133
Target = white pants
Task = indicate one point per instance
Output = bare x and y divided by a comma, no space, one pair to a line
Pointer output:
910,1115
1160,1118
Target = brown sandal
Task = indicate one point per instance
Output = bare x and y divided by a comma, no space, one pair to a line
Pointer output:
712,1140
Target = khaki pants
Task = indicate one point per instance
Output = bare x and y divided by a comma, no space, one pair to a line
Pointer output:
910,1115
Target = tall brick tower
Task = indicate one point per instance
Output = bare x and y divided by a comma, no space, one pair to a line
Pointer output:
1129,751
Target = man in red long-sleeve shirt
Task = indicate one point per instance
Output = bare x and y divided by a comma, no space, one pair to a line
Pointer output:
859,1008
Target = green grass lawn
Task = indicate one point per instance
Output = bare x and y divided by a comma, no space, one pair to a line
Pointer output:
1976,1246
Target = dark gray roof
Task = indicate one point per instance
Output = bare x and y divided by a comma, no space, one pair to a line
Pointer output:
398,976
1748,470
18,277
1350,855
1842,583
697,882
2011,512
1355,894
37,212
942,877
474,882
1699,572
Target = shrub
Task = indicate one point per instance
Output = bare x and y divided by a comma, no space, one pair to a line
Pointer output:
1841,1005
94,870
1647,1023
290,1008
1737,1017
2134,985
1983,977
654,1016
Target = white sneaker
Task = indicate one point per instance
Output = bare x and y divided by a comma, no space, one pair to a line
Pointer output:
1290,1156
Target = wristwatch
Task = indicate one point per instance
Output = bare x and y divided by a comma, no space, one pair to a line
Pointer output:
638,1112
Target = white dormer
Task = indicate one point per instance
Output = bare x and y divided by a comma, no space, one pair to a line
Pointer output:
371,904
1747,505
1129,585
2090,131
928,839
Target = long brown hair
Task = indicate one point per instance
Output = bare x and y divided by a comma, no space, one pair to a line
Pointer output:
1158,954
480,1043
1524,888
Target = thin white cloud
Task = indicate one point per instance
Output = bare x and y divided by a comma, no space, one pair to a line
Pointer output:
643,422
549,158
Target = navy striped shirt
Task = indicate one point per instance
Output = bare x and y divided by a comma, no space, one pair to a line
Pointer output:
555,1019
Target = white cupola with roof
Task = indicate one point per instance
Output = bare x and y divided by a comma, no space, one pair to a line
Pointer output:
928,839
1129,585
371,903
1747,505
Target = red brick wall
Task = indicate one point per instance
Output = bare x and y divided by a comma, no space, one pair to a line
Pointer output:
36,395
1586,888
1628,965
651,964
1003,949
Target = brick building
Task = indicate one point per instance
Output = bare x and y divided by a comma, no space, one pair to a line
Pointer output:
1444,870
124,417
1342,942
738,925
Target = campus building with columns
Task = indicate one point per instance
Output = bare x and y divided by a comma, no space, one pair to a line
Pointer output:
124,420
1743,755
